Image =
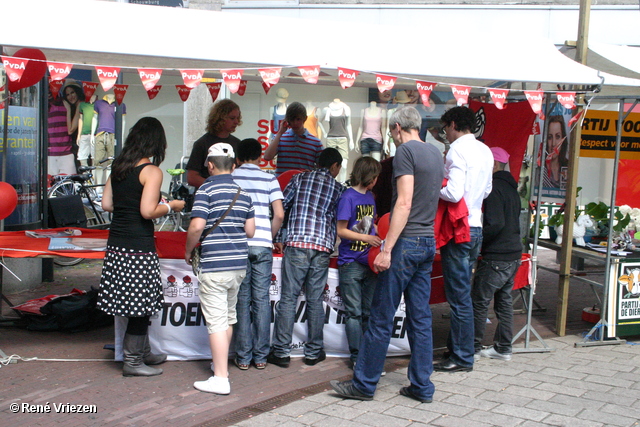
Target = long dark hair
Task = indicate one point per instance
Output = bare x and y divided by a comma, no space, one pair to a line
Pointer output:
146,139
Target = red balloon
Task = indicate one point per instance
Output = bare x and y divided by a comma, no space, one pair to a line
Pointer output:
383,225
33,72
285,177
9,199
373,253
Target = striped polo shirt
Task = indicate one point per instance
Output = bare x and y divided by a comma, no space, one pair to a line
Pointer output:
298,152
225,248
264,190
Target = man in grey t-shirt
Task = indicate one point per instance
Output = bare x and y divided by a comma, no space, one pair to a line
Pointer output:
404,264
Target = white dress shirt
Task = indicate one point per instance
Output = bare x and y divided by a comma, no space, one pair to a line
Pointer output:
469,170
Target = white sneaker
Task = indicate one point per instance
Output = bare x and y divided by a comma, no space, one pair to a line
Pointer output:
476,356
493,354
217,385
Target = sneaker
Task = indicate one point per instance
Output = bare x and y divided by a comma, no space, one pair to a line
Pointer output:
217,385
492,353
283,362
348,391
406,391
476,356
311,362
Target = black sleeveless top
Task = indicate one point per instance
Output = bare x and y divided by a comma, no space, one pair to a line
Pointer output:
128,228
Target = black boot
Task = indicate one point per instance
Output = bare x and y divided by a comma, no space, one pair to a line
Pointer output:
150,358
132,347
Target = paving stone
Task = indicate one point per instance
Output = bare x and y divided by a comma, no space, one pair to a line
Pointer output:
520,412
504,397
457,422
459,389
340,411
559,388
377,419
607,418
413,414
564,373
495,419
599,379
299,407
471,402
561,420
553,408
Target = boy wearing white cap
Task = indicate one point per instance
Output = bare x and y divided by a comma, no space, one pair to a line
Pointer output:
223,261
501,252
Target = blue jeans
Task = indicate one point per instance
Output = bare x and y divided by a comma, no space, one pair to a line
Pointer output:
458,260
410,273
494,280
357,284
368,145
253,330
308,268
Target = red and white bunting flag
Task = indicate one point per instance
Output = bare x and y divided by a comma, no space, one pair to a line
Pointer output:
149,77
191,78
535,100
153,92
232,79
214,90
499,97
184,91
270,76
55,86
346,77
58,70
536,128
385,82
14,67
266,88
242,87
567,99
89,88
107,76
461,94
310,73
425,89
575,118
120,91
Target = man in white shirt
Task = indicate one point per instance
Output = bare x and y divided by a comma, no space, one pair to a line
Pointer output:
468,168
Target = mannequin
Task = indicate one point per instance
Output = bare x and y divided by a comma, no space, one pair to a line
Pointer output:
370,133
340,134
86,139
278,111
313,125
103,128
400,100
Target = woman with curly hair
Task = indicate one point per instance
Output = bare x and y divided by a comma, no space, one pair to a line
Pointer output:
223,120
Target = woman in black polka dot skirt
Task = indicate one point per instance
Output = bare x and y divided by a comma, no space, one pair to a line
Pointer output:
130,285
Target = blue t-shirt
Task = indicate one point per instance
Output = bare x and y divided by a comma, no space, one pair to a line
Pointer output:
360,210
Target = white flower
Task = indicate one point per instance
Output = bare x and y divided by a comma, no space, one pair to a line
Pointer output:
625,209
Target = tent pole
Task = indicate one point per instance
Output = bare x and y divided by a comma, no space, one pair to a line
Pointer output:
528,327
582,44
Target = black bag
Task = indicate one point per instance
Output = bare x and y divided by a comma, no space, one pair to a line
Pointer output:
67,211
70,313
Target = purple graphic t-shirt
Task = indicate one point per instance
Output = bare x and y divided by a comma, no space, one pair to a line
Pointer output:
360,210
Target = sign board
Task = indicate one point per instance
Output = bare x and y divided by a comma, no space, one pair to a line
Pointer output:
623,311
599,130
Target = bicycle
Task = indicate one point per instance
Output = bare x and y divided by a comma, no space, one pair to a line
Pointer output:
178,190
81,184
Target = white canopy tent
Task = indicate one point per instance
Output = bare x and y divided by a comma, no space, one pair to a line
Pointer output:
173,38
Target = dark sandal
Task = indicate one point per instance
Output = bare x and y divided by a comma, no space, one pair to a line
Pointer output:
241,366
260,365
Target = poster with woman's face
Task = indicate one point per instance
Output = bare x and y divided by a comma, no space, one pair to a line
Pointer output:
554,154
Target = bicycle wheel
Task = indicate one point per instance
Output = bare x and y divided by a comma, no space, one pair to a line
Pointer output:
65,188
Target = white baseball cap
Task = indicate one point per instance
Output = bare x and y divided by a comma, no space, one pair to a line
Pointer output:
220,149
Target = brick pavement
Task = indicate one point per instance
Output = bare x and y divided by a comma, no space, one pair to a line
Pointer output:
565,382
586,386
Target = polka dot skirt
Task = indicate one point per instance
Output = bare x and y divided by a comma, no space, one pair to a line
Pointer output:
130,285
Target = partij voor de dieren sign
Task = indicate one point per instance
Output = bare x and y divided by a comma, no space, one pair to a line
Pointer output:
599,130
